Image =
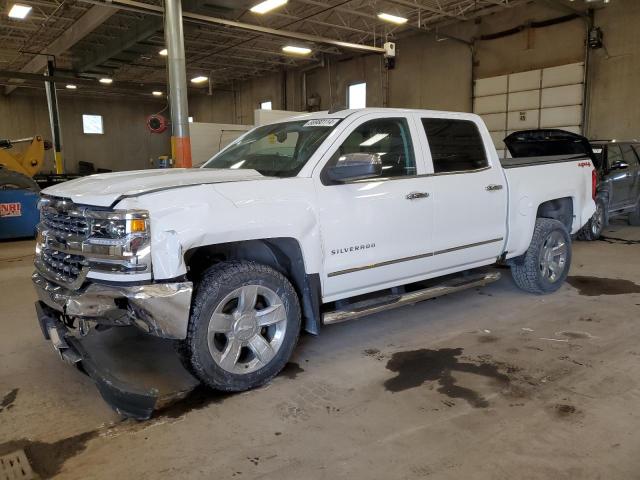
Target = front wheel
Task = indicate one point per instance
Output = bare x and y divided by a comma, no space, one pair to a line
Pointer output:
545,265
594,227
244,325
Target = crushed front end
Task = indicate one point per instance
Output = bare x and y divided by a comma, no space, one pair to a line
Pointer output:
93,270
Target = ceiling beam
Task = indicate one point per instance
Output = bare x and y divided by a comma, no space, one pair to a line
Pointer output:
137,33
204,19
439,11
86,24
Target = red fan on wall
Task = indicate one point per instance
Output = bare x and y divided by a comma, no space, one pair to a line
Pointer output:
157,123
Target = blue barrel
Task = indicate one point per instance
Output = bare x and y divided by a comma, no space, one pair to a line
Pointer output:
18,213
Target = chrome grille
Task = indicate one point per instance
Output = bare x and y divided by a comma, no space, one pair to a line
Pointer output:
65,267
62,224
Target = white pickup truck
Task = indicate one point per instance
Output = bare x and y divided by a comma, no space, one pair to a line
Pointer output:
313,220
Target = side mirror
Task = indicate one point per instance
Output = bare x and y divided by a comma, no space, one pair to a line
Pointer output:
355,166
619,165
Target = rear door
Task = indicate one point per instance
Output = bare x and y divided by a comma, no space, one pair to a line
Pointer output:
470,193
630,158
635,189
622,164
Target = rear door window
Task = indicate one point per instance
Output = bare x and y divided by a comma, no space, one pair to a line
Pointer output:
629,155
456,145
614,155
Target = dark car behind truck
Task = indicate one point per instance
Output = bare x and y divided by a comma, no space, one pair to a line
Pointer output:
617,164
618,184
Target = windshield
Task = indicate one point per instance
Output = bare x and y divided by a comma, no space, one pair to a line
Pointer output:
278,150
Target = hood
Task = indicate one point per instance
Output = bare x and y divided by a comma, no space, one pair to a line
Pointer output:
545,142
106,188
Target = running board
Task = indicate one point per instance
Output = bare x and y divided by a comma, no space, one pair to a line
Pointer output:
387,302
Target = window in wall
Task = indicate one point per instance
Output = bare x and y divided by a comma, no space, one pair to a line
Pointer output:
389,138
190,119
456,145
357,95
92,124
266,105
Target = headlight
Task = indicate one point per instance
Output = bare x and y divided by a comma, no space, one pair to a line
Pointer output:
119,241
118,225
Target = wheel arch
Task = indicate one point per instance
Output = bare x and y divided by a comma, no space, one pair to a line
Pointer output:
283,254
560,209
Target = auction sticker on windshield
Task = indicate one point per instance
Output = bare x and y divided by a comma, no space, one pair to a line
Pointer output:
322,122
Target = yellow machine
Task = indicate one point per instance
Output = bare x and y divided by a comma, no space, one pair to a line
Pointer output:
28,162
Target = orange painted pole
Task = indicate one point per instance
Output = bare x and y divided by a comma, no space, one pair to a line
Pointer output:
181,151
176,66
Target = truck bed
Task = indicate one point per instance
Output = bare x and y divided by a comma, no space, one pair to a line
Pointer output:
533,161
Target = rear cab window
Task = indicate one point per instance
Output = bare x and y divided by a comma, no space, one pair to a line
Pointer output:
456,145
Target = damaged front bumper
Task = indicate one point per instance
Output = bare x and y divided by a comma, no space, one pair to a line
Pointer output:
126,399
157,309
161,309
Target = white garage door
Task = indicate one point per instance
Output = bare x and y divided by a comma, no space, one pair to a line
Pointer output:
546,98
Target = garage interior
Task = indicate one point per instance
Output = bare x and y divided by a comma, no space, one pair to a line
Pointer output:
488,383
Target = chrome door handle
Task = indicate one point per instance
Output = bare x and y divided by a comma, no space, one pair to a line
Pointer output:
416,195
493,188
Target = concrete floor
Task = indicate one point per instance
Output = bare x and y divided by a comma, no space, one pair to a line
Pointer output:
485,384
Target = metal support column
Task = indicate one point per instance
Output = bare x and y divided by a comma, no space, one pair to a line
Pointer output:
176,65
54,117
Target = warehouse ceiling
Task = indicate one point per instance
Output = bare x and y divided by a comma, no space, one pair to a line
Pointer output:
91,39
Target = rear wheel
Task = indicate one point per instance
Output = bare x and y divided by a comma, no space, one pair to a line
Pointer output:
244,325
594,227
545,265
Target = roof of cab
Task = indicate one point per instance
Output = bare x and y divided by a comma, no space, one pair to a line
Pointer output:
348,112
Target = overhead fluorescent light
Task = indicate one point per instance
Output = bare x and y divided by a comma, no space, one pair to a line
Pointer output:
199,79
71,86
387,17
19,11
163,52
296,50
106,81
267,6
374,139
156,93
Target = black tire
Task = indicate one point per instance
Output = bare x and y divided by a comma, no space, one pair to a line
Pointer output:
216,285
634,217
11,179
528,270
593,229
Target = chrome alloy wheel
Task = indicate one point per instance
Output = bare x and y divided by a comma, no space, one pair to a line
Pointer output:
247,329
597,221
553,257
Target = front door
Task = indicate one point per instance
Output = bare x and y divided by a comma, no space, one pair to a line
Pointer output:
376,233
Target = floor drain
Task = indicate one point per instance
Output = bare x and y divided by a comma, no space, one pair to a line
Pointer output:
15,466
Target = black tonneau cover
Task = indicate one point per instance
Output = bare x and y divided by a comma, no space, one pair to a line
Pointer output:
531,147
